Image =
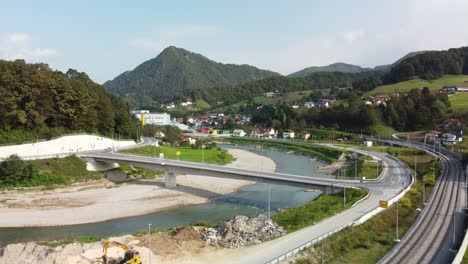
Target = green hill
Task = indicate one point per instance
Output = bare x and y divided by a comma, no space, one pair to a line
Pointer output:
38,102
406,86
335,67
175,72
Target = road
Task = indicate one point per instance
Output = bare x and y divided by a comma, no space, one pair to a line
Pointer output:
431,237
396,176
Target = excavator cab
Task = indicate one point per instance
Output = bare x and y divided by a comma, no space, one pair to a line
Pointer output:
130,257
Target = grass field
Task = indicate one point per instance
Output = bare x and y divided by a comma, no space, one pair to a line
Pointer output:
383,130
324,206
459,102
406,86
202,104
214,155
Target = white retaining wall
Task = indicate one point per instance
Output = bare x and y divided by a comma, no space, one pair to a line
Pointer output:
65,145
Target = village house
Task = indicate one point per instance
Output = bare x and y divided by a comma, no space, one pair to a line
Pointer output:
309,104
238,133
288,134
191,140
264,132
305,135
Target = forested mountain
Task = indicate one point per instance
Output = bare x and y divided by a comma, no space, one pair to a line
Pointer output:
320,80
430,65
35,100
335,67
176,72
388,67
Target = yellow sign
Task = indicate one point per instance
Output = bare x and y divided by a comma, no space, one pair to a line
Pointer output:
178,153
383,204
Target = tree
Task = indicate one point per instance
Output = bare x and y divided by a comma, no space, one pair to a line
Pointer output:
14,170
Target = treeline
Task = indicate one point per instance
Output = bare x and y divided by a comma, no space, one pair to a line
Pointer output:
430,65
39,102
321,80
419,109
336,117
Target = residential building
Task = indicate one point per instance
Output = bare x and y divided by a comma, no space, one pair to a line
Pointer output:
305,135
288,134
238,133
309,104
368,143
264,132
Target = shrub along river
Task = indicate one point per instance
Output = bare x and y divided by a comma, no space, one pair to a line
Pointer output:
250,200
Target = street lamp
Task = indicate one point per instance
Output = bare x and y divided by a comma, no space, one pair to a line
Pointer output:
203,153
149,243
397,240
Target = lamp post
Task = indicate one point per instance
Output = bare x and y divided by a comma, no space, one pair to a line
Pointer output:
397,240
149,243
203,153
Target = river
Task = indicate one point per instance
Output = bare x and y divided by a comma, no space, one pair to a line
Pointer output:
249,200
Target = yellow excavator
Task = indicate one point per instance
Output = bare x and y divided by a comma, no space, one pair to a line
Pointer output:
131,256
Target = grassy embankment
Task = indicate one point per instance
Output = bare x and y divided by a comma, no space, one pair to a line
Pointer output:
433,85
368,242
68,170
324,206
459,102
324,153
214,155
56,171
366,167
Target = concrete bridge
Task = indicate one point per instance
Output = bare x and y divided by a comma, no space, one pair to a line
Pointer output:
173,167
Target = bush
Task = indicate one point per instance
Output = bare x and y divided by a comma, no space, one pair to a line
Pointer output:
14,170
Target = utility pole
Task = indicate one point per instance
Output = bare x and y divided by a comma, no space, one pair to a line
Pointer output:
323,257
397,240
269,199
355,166
424,189
149,243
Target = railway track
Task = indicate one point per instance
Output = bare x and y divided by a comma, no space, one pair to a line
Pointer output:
423,242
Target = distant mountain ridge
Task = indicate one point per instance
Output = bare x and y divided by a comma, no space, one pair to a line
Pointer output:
176,72
335,67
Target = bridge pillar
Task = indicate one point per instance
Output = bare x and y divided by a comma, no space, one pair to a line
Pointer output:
169,179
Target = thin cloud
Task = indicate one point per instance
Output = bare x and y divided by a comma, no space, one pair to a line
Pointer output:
351,36
19,46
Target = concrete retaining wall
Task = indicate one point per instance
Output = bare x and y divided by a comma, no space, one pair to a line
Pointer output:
65,145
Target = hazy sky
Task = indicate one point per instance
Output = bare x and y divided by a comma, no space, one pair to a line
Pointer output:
105,38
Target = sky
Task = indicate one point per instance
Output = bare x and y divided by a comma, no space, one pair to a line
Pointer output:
105,38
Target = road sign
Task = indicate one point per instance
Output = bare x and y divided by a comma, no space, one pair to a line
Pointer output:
383,204
178,153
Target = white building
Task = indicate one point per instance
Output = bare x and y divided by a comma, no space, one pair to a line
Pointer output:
288,134
368,143
238,133
309,104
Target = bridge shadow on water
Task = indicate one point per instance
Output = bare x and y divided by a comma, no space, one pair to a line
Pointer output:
180,188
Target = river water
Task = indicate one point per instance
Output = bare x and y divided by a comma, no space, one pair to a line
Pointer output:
249,200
